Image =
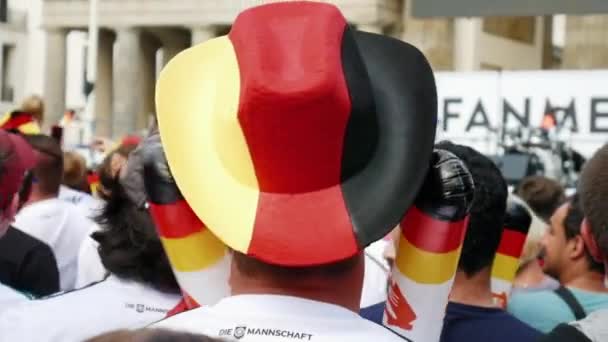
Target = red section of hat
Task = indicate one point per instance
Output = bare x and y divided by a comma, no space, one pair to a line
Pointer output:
294,102
308,229
18,157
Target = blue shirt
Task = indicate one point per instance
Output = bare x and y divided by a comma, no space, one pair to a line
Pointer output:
472,324
544,310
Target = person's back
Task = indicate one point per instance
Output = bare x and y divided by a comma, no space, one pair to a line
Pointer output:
63,227
593,188
479,324
277,191
27,264
140,289
266,318
111,304
566,258
59,224
472,314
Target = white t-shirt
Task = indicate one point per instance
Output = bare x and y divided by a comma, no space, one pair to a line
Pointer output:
10,297
90,267
61,226
112,304
89,205
272,318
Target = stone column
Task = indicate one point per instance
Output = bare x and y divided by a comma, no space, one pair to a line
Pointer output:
128,90
147,69
202,34
586,45
103,86
55,76
434,37
173,43
371,28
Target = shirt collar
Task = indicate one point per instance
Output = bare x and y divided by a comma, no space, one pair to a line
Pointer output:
283,305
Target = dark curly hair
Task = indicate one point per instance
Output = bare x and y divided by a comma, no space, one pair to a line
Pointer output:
128,244
487,211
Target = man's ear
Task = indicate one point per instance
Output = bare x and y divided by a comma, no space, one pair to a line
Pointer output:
590,242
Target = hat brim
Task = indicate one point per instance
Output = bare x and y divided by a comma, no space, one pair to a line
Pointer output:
197,99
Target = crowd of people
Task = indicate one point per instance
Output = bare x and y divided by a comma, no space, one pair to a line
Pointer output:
291,190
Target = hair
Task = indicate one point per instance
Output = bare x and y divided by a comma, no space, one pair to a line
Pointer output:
572,228
253,268
487,212
152,335
34,105
75,172
593,189
543,195
106,175
49,169
129,246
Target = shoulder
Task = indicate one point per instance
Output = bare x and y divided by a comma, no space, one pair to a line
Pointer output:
565,333
534,301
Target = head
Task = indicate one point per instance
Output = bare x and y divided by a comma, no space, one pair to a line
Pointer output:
542,194
151,335
563,247
487,211
593,189
334,283
35,106
16,158
110,167
75,171
48,172
129,246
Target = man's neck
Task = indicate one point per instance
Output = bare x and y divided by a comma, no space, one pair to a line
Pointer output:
474,290
586,280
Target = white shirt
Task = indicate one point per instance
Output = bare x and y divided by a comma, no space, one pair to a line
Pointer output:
90,267
9,297
271,318
61,226
89,205
109,305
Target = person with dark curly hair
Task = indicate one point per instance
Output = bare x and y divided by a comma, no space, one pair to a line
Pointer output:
140,287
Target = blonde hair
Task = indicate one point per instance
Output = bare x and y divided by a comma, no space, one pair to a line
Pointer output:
74,171
532,246
34,105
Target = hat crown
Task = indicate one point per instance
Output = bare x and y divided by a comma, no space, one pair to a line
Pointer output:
294,101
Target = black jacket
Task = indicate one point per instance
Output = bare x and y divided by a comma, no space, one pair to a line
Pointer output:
565,333
27,264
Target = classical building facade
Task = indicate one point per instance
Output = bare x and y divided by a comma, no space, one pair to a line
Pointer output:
138,36
12,56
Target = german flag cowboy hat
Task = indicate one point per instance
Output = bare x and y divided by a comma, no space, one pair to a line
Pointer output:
296,139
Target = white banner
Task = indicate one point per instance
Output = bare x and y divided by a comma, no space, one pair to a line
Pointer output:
473,106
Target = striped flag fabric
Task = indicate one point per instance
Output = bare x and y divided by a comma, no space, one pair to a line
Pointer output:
422,276
19,121
200,261
506,263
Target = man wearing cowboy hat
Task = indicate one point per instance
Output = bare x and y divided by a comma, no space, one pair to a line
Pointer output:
295,141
